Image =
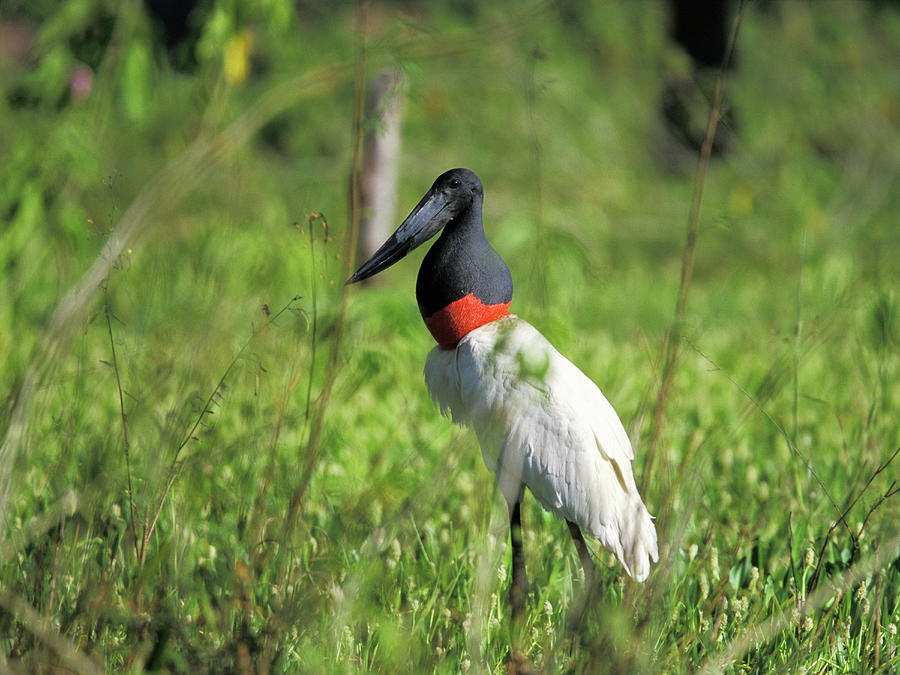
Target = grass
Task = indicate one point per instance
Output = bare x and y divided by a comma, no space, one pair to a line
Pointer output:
176,340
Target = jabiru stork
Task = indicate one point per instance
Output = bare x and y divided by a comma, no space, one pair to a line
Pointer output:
540,421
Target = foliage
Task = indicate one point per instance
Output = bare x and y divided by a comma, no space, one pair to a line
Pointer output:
315,513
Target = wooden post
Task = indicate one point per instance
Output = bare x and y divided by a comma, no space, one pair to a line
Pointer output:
381,155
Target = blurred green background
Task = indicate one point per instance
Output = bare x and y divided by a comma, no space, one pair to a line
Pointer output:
218,458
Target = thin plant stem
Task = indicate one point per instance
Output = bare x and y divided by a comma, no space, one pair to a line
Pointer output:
124,416
798,328
311,452
531,96
314,295
687,260
177,461
854,536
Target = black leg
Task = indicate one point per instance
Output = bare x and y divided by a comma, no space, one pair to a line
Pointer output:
577,613
584,554
519,587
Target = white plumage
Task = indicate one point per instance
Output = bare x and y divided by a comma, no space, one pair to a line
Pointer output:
543,423
540,421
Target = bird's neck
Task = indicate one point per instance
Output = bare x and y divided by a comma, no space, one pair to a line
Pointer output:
463,283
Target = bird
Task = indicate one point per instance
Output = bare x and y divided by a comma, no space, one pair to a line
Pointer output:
541,423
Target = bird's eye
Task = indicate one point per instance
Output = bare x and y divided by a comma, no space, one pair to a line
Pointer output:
454,182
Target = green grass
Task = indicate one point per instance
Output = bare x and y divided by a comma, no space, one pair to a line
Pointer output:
315,512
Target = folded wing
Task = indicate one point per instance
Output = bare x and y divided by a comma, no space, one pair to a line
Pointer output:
541,422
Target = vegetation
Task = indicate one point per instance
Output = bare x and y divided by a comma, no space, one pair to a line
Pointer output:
216,457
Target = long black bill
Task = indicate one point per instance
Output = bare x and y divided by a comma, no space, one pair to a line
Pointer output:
426,220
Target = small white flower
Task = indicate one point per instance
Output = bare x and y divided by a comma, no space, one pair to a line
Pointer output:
548,608
692,551
808,624
810,558
465,665
737,607
752,474
676,612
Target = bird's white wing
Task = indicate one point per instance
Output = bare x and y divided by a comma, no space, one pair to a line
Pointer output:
541,422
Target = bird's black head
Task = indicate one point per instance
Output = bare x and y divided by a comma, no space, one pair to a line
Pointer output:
460,187
452,194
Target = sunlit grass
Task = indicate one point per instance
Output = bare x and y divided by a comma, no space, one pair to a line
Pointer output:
777,506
